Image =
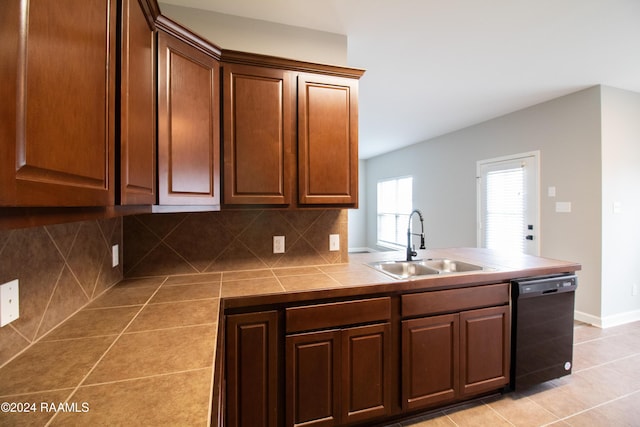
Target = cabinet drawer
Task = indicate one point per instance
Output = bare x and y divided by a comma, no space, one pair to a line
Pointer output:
331,315
427,303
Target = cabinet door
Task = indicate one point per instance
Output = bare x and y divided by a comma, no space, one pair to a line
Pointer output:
485,343
252,369
188,124
137,108
258,131
57,83
430,358
338,377
327,140
366,368
313,379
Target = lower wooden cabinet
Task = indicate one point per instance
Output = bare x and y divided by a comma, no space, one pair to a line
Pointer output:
485,345
430,357
338,377
454,356
357,362
252,369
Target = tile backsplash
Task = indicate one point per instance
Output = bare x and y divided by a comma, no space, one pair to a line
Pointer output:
184,243
61,268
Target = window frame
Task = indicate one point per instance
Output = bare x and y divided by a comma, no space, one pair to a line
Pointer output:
400,218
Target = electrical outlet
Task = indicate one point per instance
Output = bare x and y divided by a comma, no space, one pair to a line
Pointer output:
9,302
334,242
278,244
115,256
634,289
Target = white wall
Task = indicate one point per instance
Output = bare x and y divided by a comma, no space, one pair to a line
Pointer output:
620,231
358,217
255,36
566,130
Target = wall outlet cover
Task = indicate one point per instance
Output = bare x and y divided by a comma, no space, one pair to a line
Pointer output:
9,302
115,256
334,242
278,244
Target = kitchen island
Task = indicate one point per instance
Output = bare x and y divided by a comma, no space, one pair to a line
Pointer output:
149,351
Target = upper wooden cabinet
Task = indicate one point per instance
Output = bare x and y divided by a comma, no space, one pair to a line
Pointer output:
258,133
290,132
327,140
137,106
57,82
188,122
80,123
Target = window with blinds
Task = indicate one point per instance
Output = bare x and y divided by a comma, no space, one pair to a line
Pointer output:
508,200
395,201
504,221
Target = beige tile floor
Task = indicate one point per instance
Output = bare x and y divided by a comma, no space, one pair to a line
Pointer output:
604,389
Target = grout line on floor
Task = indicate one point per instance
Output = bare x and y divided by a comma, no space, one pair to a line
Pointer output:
29,393
164,374
609,362
593,407
105,352
169,328
497,413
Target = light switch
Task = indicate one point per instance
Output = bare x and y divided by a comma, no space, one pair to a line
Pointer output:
617,207
551,191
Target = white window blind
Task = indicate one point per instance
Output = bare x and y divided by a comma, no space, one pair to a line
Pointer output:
505,219
394,207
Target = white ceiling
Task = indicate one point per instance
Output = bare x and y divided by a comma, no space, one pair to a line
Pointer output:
436,66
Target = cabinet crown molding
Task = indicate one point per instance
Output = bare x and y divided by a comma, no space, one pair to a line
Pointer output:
186,35
256,59
246,58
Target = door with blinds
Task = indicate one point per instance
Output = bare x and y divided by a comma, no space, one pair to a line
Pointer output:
508,203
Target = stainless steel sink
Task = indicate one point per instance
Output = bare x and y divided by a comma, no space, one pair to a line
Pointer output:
404,269
420,268
445,265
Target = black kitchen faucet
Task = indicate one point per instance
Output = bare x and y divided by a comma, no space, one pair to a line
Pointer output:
411,249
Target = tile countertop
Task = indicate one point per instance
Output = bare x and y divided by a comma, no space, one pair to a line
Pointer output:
144,352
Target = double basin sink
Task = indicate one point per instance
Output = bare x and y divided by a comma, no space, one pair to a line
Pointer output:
424,267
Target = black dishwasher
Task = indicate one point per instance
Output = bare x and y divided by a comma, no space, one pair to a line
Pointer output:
542,330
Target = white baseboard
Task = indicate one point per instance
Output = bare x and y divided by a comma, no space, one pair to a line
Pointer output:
587,318
361,250
609,321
